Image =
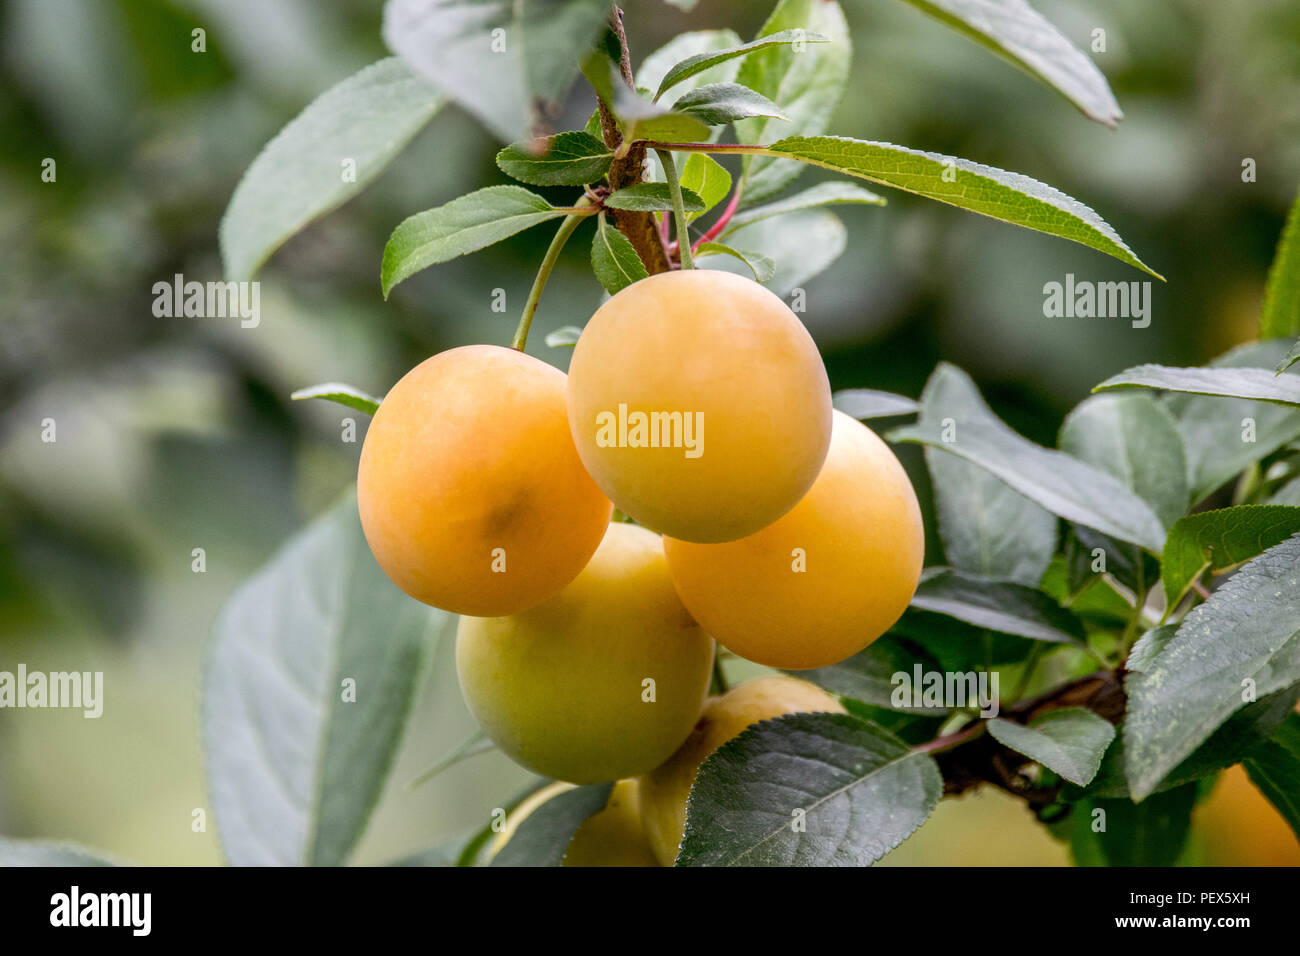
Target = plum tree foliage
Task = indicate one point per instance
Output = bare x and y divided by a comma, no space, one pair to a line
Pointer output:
1135,591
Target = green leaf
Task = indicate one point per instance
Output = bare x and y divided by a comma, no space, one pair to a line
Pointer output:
1002,606
1274,768
501,78
807,790
45,853
641,119
300,174
996,193
1054,480
1225,435
651,197
868,675
566,159
464,225
1289,359
295,764
1181,689
707,178
1069,741
543,837
704,60
1239,734
1151,833
1255,384
987,527
1135,439
720,103
472,853
1021,35
801,244
868,403
614,259
343,394
1218,540
566,335
473,745
823,194
807,81
684,46
760,265
1281,315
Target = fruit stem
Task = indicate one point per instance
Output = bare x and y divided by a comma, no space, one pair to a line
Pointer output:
552,256
719,679
679,210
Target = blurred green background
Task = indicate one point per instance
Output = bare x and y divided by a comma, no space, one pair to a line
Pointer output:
178,433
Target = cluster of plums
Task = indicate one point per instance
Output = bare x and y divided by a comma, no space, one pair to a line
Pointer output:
697,404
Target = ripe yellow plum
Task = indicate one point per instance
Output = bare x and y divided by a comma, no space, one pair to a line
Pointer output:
612,837
699,404
603,681
823,581
472,496
664,792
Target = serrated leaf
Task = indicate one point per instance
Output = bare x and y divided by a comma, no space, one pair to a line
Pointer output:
801,245
1181,689
707,178
868,403
1021,35
806,81
299,175
1135,439
639,118
823,194
1254,384
1274,768
762,267
564,336
1054,480
467,224
565,159
868,675
1281,315
498,59
1215,430
343,394
1003,606
1239,734
1151,833
651,197
543,837
45,853
860,789
705,60
614,259
987,527
996,193
294,768
1068,741
1217,540
720,103
684,46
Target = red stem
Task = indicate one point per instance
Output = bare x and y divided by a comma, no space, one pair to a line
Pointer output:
717,228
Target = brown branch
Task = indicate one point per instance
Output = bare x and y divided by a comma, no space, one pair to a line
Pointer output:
969,759
640,228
